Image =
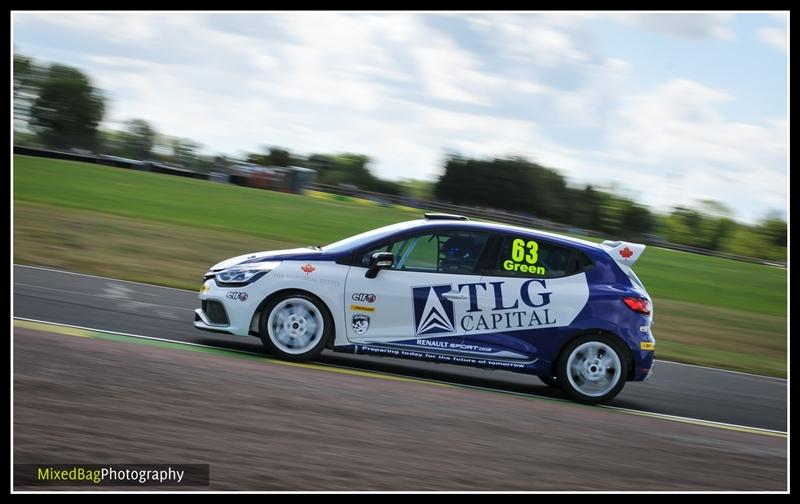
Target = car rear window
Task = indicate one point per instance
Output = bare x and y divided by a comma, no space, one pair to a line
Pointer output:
524,256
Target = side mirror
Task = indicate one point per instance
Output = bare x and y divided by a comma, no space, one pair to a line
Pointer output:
380,260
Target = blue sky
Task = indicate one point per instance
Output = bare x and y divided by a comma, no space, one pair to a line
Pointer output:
668,108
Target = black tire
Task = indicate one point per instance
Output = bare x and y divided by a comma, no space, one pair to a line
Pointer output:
302,302
550,381
606,376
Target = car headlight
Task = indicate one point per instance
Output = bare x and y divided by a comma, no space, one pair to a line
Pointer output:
245,273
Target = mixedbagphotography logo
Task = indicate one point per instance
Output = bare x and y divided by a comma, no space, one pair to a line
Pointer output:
96,475
433,313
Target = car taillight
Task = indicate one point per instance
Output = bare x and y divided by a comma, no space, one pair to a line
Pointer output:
639,305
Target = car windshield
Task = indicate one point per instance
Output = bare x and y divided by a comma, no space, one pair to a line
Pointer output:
367,237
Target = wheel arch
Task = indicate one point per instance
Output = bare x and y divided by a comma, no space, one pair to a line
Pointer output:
621,343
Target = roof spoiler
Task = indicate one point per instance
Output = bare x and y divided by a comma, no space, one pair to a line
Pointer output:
624,253
444,216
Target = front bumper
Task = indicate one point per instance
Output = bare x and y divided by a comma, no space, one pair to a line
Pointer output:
225,309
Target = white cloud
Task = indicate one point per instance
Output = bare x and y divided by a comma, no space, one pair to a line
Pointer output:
681,122
715,25
534,38
130,28
777,37
679,131
448,73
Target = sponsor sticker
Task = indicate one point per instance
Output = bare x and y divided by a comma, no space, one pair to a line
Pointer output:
529,307
364,297
369,309
205,287
308,268
647,345
360,323
433,313
241,296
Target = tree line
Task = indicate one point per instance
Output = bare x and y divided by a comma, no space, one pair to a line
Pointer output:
519,185
58,107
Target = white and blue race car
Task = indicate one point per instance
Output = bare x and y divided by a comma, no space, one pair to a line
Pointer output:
447,289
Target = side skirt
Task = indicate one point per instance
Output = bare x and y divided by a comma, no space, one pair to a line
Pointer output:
527,367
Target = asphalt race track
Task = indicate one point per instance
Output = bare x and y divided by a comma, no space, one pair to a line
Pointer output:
107,371
126,307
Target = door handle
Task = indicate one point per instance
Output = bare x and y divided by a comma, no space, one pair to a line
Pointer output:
454,295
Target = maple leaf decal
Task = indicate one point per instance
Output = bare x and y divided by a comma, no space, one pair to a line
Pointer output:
626,253
307,268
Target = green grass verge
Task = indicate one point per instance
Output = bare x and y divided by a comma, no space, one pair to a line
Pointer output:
167,230
195,203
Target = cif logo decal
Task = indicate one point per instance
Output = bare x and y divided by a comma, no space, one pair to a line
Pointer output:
241,296
360,296
360,324
433,313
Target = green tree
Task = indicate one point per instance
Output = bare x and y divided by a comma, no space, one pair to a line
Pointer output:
417,189
138,138
773,230
184,151
717,224
587,205
320,162
112,142
28,78
635,220
279,157
68,109
259,159
685,227
505,183
717,231
271,156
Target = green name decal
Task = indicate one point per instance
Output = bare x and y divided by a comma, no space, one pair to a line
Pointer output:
524,255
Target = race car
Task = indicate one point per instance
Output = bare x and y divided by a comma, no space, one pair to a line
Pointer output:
451,290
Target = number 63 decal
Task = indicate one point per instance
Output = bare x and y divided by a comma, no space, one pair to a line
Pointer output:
519,247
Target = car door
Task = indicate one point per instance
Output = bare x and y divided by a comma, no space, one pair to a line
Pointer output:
417,304
530,290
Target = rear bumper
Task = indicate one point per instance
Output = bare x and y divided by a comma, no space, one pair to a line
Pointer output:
650,371
642,346
643,361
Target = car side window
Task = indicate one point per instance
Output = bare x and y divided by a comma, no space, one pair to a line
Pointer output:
525,256
449,251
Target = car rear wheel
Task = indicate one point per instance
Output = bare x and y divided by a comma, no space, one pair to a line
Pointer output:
592,369
295,327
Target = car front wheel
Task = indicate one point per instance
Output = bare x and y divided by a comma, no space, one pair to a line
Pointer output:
295,327
592,369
